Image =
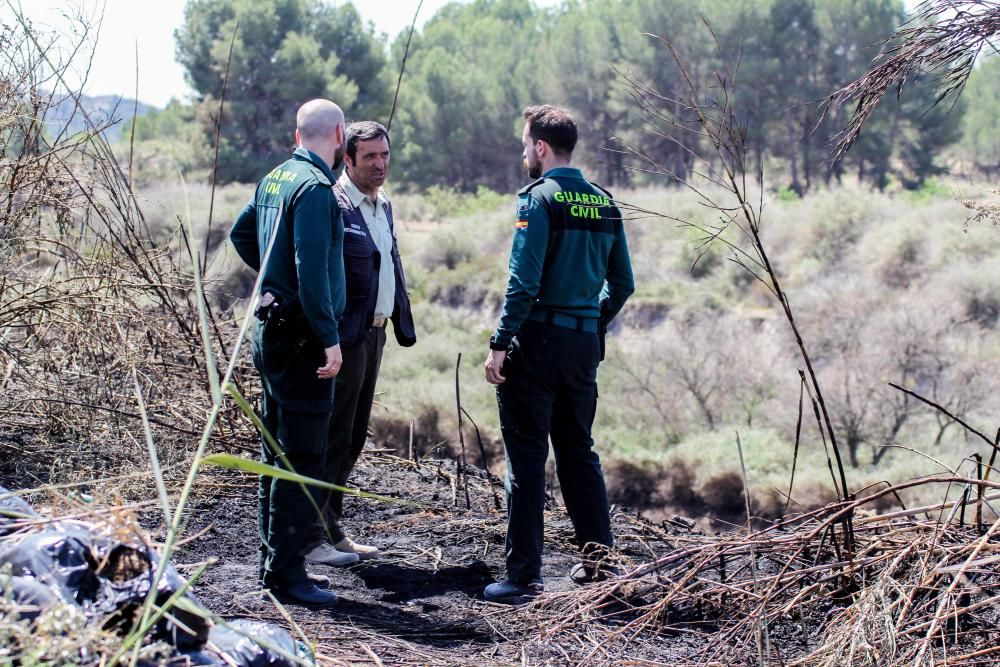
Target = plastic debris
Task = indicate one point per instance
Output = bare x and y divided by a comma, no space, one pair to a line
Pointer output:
247,643
76,563
13,512
31,598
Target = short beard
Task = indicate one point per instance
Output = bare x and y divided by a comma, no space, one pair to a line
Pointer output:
534,170
338,157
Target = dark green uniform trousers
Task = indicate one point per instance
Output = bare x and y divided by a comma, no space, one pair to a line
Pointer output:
551,389
296,411
352,408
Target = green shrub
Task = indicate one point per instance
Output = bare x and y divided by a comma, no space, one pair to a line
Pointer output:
440,203
786,194
930,189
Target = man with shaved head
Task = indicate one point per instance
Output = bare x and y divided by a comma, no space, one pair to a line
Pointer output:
292,232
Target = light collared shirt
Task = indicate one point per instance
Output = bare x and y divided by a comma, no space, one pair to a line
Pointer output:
378,225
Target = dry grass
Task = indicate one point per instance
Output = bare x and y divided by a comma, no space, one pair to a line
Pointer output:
917,587
94,303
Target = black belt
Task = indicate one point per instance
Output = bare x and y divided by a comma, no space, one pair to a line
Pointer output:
587,324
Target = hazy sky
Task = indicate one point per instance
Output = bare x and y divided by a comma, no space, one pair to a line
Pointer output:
151,25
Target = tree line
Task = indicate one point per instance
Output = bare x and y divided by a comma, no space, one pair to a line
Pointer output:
473,66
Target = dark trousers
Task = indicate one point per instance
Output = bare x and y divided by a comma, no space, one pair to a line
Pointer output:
551,390
296,411
352,408
286,511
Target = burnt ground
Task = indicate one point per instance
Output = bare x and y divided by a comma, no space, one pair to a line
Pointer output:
421,603
688,599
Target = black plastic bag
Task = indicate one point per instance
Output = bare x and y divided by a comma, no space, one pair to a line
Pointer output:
13,511
239,645
60,558
105,577
31,598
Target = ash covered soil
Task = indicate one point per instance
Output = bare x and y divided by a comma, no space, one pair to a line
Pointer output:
690,597
421,602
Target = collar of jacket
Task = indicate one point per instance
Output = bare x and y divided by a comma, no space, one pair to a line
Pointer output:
566,172
357,196
307,155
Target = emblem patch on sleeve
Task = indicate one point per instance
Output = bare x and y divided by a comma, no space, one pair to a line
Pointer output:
521,219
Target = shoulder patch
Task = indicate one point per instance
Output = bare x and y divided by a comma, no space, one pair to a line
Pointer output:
523,206
527,188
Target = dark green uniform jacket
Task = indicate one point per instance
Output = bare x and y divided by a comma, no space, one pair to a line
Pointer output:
306,265
569,256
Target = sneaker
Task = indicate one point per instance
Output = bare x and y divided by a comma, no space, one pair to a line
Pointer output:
364,551
512,592
304,593
585,574
325,554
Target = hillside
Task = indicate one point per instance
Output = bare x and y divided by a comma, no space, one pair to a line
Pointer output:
104,111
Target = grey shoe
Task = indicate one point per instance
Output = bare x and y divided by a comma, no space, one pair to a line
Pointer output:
364,551
327,554
512,592
304,593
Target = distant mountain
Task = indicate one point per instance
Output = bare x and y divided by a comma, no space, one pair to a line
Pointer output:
111,110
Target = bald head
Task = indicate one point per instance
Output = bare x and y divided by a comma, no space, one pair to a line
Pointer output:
317,119
319,127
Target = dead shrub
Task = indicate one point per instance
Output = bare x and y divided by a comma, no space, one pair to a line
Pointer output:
678,486
635,483
394,431
723,494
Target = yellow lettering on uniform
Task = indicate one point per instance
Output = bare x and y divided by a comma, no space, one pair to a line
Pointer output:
558,197
574,211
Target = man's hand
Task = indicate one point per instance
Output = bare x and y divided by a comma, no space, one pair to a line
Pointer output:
333,361
493,366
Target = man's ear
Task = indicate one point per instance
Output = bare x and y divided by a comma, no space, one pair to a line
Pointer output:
298,138
543,149
340,134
